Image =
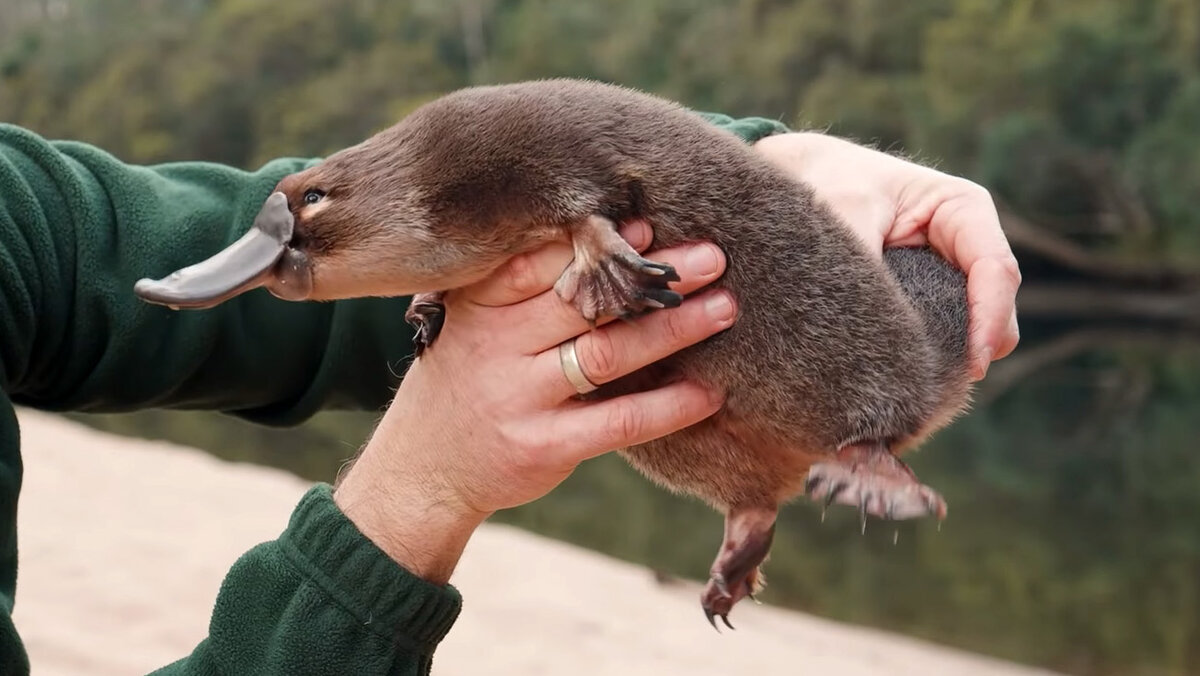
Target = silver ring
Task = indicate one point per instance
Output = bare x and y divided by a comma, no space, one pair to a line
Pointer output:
571,368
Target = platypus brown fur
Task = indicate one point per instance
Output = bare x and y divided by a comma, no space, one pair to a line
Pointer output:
836,364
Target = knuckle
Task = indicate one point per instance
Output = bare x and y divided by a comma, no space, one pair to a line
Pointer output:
526,458
598,356
677,327
626,422
510,436
974,191
678,408
1011,269
526,451
520,276
1012,333
962,194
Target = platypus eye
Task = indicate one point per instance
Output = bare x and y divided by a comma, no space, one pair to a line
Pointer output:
313,196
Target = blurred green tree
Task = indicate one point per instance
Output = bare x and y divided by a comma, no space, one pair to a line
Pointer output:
1080,115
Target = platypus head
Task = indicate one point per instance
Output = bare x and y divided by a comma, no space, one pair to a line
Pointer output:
350,226
435,202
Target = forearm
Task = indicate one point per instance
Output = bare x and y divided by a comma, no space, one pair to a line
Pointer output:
78,228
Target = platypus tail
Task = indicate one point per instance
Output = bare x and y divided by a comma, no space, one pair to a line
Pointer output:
938,291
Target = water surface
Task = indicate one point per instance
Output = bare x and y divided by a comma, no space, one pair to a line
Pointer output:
1073,536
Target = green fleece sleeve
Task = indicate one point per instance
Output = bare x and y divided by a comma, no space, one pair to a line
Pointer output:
77,228
321,600
749,129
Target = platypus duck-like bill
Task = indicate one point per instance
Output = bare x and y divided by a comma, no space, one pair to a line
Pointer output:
262,257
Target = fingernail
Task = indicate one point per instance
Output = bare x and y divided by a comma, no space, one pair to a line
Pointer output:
702,260
716,397
637,233
985,360
719,306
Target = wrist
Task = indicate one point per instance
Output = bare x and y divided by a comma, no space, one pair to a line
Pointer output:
411,521
800,149
845,177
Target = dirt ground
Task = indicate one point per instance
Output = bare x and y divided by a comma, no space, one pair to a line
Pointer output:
124,544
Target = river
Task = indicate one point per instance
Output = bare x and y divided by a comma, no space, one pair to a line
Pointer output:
1073,534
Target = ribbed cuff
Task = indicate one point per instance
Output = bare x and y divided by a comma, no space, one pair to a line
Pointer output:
749,129
393,602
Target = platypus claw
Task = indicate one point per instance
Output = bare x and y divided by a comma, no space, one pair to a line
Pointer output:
426,313
724,618
660,298
621,286
650,268
869,477
735,573
832,489
609,279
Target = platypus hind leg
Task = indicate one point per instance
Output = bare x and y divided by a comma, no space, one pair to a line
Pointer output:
869,476
426,313
608,278
735,573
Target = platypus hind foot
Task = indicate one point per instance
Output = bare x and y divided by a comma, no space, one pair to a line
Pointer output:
735,574
426,313
868,476
608,278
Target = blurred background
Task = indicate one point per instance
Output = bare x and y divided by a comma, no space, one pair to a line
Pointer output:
1074,536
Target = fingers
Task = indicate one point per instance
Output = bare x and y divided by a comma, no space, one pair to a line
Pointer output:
624,347
991,293
530,274
628,420
965,228
550,320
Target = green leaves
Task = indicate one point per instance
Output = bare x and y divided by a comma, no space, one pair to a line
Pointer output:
1074,111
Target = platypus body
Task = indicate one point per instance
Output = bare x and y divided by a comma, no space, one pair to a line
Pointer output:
836,363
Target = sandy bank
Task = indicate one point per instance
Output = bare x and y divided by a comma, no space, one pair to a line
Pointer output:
124,544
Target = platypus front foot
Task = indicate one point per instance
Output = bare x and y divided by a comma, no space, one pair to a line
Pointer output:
868,476
609,279
426,313
735,574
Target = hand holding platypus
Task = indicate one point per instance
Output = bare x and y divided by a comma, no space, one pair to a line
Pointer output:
837,361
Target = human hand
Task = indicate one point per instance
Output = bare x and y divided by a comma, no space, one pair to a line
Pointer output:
891,202
486,419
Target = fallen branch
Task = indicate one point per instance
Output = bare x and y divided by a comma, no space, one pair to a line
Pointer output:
1024,235
1007,373
1076,301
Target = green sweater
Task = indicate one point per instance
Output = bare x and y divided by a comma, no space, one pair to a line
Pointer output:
77,228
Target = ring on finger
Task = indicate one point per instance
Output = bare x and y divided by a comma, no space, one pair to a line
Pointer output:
571,368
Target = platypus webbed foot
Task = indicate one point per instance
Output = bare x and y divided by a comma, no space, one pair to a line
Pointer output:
868,476
609,279
426,313
735,574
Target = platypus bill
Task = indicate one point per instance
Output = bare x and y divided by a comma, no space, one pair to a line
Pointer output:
836,364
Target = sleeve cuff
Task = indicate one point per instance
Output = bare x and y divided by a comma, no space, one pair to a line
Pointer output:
749,129
361,578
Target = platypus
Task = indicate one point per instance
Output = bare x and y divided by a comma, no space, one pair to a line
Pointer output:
838,361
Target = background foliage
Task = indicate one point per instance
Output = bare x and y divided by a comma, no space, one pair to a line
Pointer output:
1105,91
1073,540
